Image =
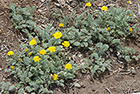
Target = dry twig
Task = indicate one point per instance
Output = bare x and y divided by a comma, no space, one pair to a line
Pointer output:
108,90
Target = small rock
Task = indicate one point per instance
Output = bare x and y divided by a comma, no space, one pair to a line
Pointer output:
0,69
42,0
79,55
57,4
39,10
62,2
77,85
130,2
3,79
133,70
83,84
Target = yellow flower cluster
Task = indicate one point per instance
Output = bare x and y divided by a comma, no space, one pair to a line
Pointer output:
68,66
66,44
12,67
61,25
104,8
128,2
57,35
19,59
36,58
55,77
108,29
130,29
10,53
30,53
42,52
52,49
88,4
26,50
130,14
32,42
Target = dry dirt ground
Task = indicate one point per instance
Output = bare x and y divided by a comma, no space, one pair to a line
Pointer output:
112,82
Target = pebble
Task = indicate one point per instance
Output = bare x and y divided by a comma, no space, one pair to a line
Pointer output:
77,85
3,79
39,10
42,0
79,55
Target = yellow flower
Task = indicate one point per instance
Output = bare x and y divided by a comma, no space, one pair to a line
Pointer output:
57,35
61,25
10,53
139,14
19,59
43,52
52,49
130,29
12,67
32,42
66,44
128,2
55,77
124,38
104,8
108,29
26,50
130,14
36,58
88,4
68,66
30,53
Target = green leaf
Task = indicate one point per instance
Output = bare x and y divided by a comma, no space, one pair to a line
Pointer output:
85,44
96,67
93,71
5,85
66,20
135,57
99,44
115,41
21,91
12,7
72,41
81,16
7,70
27,79
25,31
138,56
61,84
102,69
127,58
33,93
104,47
73,14
45,90
40,32
28,89
11,88
90,20
44,45
18,85
51,41
76,43
121,33
95,55
27,60
86,60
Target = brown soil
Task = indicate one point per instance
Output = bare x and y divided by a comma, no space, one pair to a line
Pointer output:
115,81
